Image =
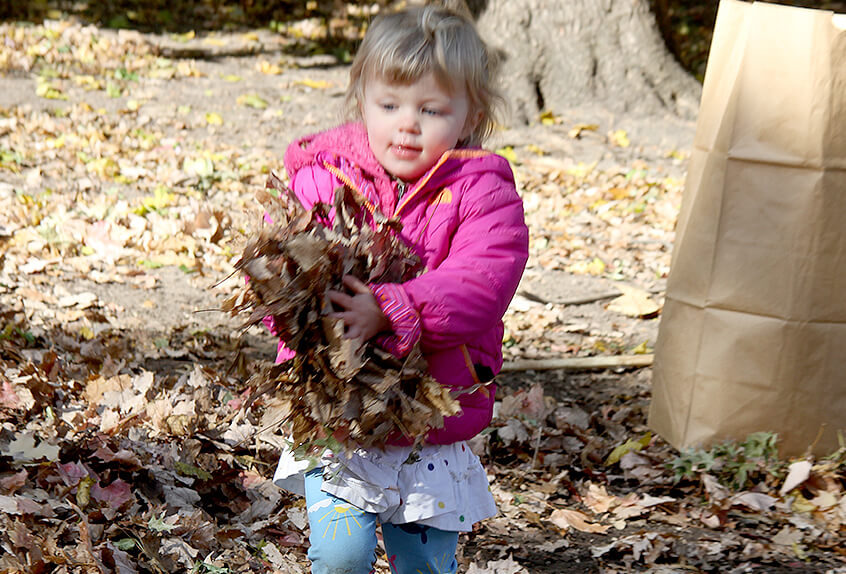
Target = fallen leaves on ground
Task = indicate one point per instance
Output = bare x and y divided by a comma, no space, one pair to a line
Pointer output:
556,473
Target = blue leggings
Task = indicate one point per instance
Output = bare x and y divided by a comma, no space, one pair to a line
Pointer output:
343,538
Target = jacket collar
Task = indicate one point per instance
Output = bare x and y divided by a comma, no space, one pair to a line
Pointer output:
350,141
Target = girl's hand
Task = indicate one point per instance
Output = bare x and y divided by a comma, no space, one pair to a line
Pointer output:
362,316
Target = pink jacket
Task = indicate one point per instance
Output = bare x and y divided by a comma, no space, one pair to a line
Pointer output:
465,220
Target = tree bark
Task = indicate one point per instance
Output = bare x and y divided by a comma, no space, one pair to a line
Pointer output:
564,55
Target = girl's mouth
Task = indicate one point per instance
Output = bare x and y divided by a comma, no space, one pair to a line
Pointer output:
404,151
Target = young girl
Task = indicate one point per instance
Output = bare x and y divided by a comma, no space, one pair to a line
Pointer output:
421,90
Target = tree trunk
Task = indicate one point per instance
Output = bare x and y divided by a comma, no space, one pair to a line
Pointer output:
572,54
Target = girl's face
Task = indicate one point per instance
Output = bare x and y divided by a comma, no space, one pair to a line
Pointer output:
411,126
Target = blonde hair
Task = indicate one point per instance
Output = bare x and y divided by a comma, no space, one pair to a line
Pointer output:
404,46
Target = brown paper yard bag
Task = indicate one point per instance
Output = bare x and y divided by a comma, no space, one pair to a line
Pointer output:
753,332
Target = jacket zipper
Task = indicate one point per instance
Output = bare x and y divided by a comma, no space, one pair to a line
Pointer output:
349,183
421,184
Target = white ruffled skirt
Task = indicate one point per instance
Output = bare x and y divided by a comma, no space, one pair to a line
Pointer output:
444,486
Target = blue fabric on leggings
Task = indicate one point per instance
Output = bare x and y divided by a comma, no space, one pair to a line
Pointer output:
343,538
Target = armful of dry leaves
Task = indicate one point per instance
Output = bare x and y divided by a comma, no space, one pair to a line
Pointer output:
336,392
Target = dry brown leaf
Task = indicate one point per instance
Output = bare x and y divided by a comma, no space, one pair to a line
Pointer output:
798,473
506,566
598,499
634,302
565,518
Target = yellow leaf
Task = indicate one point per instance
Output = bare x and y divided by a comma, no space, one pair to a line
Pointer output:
215,41
83,491
103,167
316,84
535,149
187,69
175,259
508,153
86,333
133,105
596,266
198,166
49,92
576,131
266,67
582,169
802,505
184,37
548,118
619,193
593,267
232,78
160,199
619,138
88,82
630,445
250,37
641,349
252,101
214,119
58,142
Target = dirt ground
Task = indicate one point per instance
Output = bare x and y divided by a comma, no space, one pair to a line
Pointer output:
296,109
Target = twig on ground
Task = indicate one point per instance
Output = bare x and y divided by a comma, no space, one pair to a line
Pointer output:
580,363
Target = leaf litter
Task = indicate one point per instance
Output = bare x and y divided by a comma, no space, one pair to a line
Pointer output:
347,392
131,447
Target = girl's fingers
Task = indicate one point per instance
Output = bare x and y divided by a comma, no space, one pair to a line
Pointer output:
341,299
352,333
356,285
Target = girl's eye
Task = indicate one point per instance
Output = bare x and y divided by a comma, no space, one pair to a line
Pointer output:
432,112
388,107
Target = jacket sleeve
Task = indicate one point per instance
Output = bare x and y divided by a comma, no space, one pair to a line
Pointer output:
468,293
314,184
404,320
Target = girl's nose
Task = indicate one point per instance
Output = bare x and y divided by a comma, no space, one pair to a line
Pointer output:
409,121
